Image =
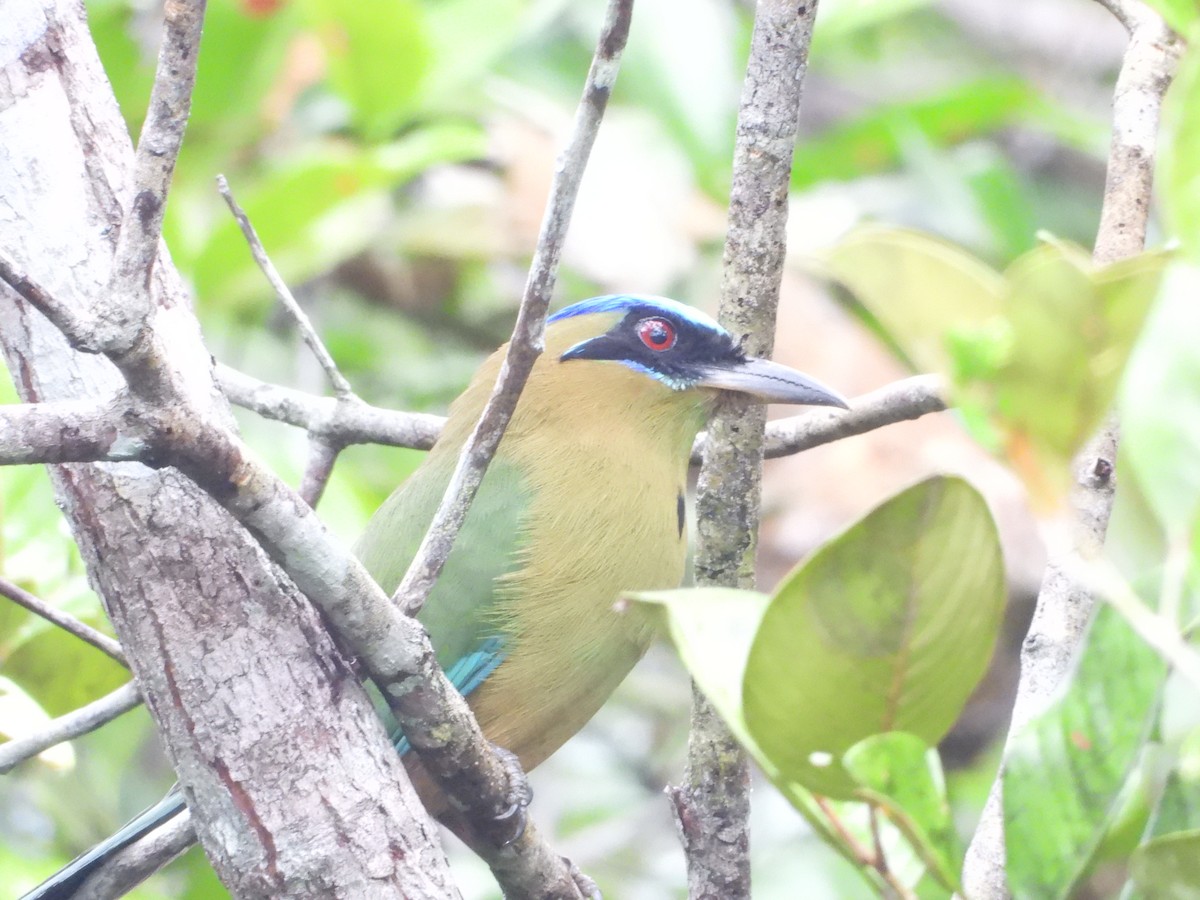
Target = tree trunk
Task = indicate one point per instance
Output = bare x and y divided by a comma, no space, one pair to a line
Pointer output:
294,787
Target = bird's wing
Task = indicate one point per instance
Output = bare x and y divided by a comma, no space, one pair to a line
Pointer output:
459,614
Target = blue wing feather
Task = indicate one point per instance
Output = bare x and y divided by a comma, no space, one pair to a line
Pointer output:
466,675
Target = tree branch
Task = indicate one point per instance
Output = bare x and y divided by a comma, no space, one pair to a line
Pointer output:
66,622
141,859
394,649
712,807
340,385
69,726
339,421
529,332
1065,605
119,325
197,605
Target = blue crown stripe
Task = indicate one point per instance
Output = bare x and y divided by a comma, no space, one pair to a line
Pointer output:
620,303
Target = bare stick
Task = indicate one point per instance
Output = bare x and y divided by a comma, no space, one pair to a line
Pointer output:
361,423
340,385
120,325
69,430
65,621
67,727
341,422
529,333
713,805
900,401
141,859
321,457
1065,605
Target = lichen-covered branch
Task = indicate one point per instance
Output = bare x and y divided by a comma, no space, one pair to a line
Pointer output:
1064,604
712,805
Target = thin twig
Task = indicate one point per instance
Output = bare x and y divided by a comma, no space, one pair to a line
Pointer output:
119,326
69,726
340,385
1065,605
339,422
713,804
65,621
529,333
901,401
867,859
1159,631
321,457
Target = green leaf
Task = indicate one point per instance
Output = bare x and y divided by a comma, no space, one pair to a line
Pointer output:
378,54
466,40
1073,327
61,672
312,213
1160,405
841,19
915,287
713,629
1179,169
1168,867
904,776
1182,15
1067,767
1035,353
888,627
875,141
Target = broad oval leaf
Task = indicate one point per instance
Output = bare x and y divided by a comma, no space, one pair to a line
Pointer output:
1064,770
1072,327
888,627
712,629
912,287
903,775
1168,867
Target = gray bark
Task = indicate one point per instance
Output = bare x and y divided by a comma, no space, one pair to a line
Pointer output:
294,787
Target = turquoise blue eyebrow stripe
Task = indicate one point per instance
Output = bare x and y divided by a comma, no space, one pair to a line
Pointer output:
624,302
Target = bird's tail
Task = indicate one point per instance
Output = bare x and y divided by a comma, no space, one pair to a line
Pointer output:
66,881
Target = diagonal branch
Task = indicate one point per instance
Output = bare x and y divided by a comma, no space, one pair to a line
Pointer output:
69,726
1065,604
119,325
529,332
284,294
66,622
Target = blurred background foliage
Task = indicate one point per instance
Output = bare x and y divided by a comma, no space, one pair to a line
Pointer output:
395,155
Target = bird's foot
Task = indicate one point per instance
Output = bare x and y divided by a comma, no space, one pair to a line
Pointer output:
519,794
587,887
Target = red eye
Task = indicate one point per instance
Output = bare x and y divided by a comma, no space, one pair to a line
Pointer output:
657,334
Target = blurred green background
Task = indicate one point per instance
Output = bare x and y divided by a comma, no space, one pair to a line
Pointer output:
395,156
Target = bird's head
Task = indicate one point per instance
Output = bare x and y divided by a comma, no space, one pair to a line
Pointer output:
682,349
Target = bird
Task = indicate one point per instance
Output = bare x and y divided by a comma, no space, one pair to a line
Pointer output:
583,502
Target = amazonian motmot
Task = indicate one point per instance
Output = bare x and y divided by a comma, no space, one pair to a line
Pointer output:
583,501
